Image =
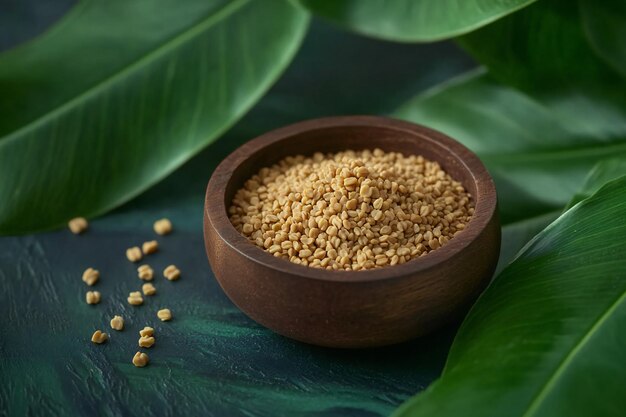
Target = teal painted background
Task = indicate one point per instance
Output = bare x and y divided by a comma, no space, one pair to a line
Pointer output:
210,359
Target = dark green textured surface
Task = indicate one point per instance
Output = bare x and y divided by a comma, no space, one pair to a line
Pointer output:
210,359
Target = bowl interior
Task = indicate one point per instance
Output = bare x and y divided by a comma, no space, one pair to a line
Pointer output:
341,138
337,134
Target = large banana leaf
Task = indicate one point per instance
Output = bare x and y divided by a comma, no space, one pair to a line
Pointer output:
118,94
413,20
547,337
544,50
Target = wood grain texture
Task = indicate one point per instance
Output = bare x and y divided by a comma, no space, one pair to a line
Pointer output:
345,308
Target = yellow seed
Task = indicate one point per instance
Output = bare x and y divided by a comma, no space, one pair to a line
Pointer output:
146,341
163,227
135,298
378,203
92,297
134,254
117,323
150,247
140,359
78,225
164,314
147,331
148,289
91,276
99,337
145,272
172,273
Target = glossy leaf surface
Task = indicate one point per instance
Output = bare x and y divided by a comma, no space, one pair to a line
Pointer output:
546,338
156,81
413,20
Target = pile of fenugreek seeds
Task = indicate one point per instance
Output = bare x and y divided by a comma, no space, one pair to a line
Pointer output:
351,210
135,298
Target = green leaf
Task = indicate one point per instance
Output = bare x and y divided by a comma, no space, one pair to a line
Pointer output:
117,95
546,338
605,26
538,161
413,20
543,50
602,173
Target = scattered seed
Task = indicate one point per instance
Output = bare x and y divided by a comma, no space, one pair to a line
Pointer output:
172,273
91,276
146,341
164,314
147,331
140,359
78,225
150,247
163,226
92,297
135,298
145,272
99,337
134,254
148,289
117,323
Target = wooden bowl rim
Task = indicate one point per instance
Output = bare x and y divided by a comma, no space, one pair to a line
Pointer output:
485,201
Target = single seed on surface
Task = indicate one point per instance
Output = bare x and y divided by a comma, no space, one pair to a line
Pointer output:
148,289
117,323
99,337
134,254
146,341
147,331
163,226
145,272
91,276
92,297
150,247
78,225
172,273
135,298
164,314
140,359
351,210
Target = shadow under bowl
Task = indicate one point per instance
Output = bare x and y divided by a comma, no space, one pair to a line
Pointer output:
353,309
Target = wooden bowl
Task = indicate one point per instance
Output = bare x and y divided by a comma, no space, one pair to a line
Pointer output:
353,309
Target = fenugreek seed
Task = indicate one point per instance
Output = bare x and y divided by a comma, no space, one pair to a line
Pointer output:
164,314
140,359
148,289
146,341
135,298
163,226
117,323
171,273
78,225
351,210
134,254
99,337
147,331
92,297
91,276
433,243
150,247
145,272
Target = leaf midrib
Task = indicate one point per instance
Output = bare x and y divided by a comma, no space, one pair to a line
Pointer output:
178,39
545,389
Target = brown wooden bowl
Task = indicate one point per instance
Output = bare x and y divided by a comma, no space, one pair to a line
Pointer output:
353,309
